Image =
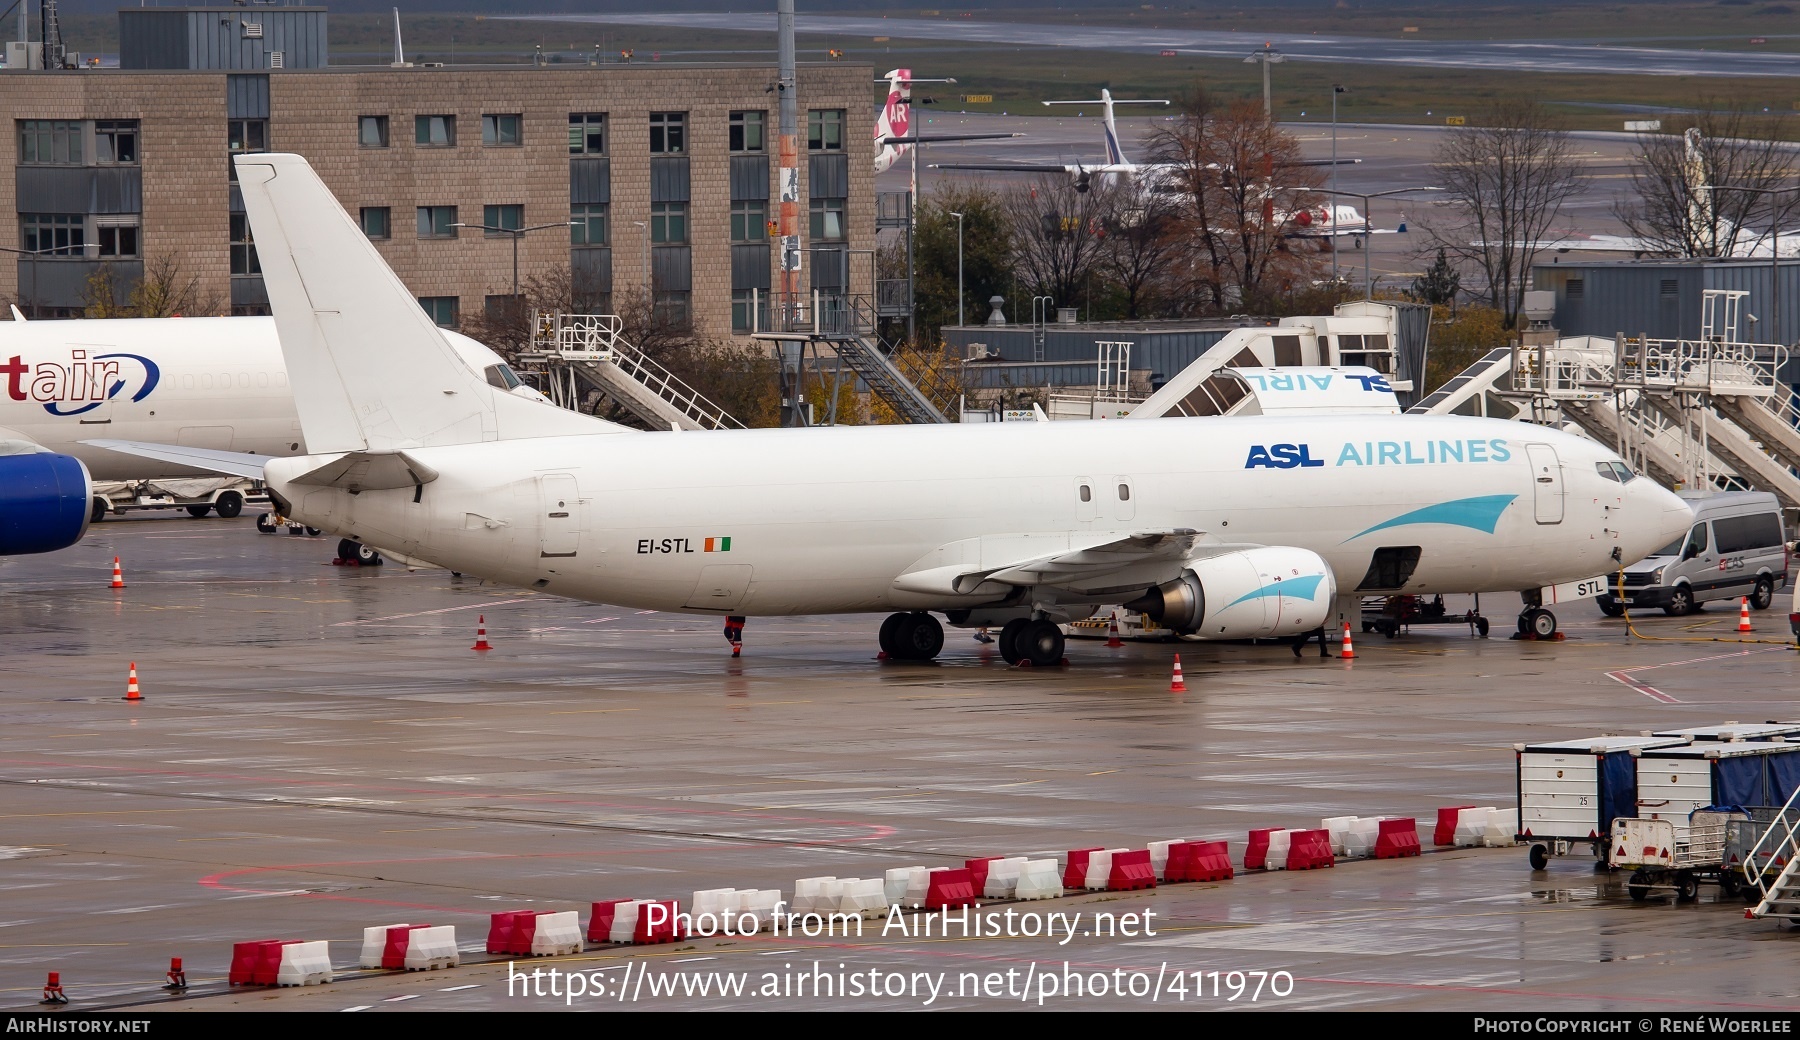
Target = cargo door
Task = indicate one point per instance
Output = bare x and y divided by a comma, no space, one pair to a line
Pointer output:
1547,480
1559,795
1670,788
559,516
721,587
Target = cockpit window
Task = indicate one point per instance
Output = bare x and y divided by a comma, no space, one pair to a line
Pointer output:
502,376
1616,471
1606,470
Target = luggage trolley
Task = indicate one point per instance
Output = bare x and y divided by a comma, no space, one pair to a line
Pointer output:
1688,800
1570,791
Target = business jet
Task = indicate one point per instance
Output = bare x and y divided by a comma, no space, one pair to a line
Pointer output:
1117,168
1234,528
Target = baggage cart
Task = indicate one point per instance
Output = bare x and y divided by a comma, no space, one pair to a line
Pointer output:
1670,854
1570,791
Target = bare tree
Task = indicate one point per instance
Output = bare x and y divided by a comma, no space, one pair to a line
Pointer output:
1237,186
1684,203
1058,236
163,290
1506,180
1143,242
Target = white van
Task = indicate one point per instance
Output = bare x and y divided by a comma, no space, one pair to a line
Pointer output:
1736,547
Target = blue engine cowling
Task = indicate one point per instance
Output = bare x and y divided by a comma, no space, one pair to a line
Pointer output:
45,502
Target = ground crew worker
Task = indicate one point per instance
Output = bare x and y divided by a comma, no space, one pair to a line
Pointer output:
734,633
1301,640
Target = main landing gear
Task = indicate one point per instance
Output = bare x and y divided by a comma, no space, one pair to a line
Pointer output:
913,636
917,636
1036,641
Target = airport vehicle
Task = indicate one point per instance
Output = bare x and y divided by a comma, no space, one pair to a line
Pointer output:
1752,863
1674,854
1570,791
1735,547
44,499
198,495
1237,528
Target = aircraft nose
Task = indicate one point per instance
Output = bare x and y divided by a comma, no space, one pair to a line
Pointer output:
1654,517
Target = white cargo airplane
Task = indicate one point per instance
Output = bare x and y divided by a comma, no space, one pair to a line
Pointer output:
1235,528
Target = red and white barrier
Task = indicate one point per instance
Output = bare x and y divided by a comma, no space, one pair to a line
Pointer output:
410,947
1267,850
1445,832
1039,879
375,942
1359,840
1471,825
1002,880
1099,869
950,888
605,916
1130,870
918,884
534,933
255,963
809,893
1159,855
978,870
1309,850
1075,867
1199,861
304,964
1397,838
658,921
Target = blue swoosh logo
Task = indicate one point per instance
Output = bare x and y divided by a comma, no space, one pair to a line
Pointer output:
1481,513
152,376
1300,588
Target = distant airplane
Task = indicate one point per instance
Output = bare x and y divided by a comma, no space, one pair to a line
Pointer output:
894,120
1235,528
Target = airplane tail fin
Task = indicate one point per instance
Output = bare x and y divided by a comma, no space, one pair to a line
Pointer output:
895,119
369,369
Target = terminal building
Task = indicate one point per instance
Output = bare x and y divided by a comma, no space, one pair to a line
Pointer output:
649,177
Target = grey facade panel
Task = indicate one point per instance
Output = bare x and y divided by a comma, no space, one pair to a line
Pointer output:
669,178
73,189
830,267
672,269
590,181
828,176
249,294
749,177
152,39
243,37
63,283
246,97
749,267
591,268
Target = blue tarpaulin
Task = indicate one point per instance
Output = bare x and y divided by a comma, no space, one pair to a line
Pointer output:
1764,779
1618,789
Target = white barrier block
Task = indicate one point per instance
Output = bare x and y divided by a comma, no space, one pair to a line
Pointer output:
1279,842
625,919
1039,879
895,882
428,949
831,893
556,934
1501,829
715,901
1003,877
304,964
1359,840
375,944
1471,824
864,898
1099,869
807,891
1337,827
757,903
918,883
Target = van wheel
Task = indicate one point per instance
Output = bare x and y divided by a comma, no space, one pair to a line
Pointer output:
1763,594
1681,601
229,504
1611,608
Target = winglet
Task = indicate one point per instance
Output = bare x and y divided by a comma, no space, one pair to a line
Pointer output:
18,315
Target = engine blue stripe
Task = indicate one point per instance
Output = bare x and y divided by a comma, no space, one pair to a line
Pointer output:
1304,587
1481,513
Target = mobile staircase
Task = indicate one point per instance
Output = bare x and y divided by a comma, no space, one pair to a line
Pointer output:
579,352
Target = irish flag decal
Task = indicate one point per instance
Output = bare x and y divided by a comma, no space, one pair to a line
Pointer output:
719,544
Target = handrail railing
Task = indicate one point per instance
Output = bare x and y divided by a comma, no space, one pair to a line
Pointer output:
1753,860
596,338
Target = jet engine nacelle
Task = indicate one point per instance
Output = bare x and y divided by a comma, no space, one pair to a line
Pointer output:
45,500
1248,594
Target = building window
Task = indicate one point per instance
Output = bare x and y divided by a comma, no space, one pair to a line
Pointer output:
249,135
506,218
116,141
672,309
377,222
501,131
372,131
118,242
587,133
443,309
243,248
54,234
749,222
742,301
668,133
828,220
668,222
436,221
588,225
825,130
434,131
747,131
43,141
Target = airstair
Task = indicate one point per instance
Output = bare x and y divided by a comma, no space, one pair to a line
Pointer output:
1698,413
1777,847
846,323
582,352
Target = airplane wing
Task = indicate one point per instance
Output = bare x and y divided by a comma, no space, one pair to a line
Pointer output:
1010,167
1006,560
234,463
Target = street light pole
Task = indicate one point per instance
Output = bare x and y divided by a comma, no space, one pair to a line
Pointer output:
34,254
959,266
1368,222
1268,55
644,263
516,233
1336,89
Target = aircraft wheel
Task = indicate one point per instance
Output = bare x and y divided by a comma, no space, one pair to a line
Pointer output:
1009,639
349,549
265,522
1041,643
1540,622
889,626
919,637
229,504
198,511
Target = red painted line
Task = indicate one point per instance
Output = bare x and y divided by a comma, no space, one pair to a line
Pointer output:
428,613
1623,675
1649,691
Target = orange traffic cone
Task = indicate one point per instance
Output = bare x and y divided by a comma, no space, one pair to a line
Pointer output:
131,687
53,991
1349,652
177,976
1175,683
1744,615
481,642
1112,638
118,581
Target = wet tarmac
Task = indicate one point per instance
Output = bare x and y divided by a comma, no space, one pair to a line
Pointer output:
319,750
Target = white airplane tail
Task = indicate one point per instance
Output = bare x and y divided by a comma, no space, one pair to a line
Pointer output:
895,120
1115,152
369,370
